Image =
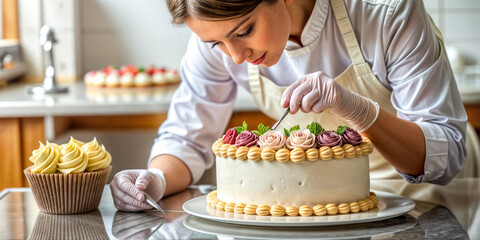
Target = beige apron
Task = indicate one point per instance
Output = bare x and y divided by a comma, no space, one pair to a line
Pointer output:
358,77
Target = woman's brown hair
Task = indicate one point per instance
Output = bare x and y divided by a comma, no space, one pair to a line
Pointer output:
213,10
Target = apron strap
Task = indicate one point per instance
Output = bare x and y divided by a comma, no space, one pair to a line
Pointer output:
345,26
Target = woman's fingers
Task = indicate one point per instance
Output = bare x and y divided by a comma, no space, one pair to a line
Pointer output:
287,94
309,100
297,96
123,201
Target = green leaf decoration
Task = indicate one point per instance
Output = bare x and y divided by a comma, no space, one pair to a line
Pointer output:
294,128
242,128
141,69
341,129
315,128
262,129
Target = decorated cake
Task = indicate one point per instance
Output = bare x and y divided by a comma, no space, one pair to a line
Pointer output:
306,172
131,76
68,178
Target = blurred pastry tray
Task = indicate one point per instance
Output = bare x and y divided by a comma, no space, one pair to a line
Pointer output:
130,94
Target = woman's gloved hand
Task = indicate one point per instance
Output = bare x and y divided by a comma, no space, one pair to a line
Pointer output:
317,92
128,187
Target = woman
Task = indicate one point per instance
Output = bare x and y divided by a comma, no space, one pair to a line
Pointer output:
377,66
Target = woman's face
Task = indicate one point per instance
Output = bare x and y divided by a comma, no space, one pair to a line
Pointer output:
259,37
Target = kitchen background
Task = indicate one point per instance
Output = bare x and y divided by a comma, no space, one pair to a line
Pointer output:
93,34
96,33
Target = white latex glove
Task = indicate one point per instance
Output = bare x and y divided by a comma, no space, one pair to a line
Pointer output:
128,186
317,92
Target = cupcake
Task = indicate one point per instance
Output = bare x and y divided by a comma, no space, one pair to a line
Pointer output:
69,178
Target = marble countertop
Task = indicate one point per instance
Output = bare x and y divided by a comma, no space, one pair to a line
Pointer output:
20,219
15,101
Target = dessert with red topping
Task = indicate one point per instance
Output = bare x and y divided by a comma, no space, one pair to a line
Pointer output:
131,76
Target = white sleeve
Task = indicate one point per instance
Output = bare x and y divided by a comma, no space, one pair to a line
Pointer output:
424,90
199,110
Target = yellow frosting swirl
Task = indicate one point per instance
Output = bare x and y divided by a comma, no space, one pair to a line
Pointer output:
349,150
369,144
338,152
216,147
213,203
268,154
78,142
230,207
364,148
220,205
354,207
332,209
239,208
343,208
74,159
242,153
224,149
282,155
292,211
212,195
45,158
325,153
305,211
363,205
312,154
98,157
374,199
319,210
277,211
232,151
358,151
369,203
297,155
254,153
250,209
263,210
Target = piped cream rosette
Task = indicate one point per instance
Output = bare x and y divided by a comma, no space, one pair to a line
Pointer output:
72,157
296,154
98,158
45,158
362,205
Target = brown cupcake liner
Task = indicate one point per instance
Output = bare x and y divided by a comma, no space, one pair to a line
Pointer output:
68,193
80,226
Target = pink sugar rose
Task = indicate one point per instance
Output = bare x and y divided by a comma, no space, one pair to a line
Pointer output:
246,139
351,136
302,139
230,136
272,139
329,139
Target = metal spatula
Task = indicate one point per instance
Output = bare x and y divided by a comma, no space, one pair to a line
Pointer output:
281,118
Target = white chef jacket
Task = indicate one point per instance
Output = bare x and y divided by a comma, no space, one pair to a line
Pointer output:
397,41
